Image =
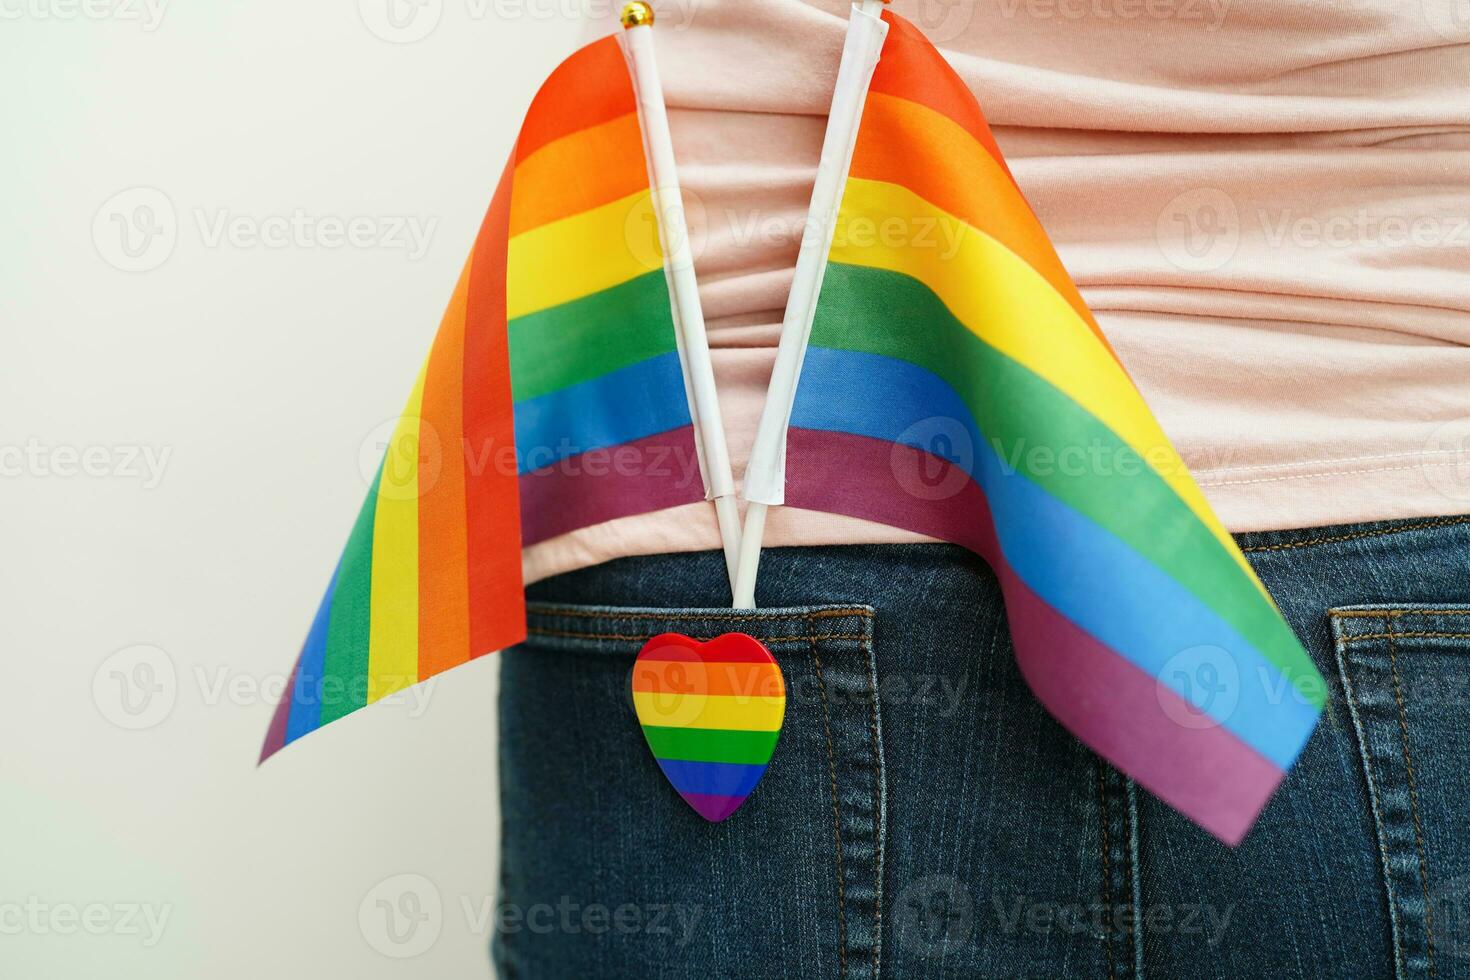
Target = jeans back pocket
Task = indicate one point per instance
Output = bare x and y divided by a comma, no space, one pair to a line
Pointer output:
591,824
1405,676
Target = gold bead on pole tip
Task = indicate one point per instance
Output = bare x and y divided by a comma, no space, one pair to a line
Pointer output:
636,14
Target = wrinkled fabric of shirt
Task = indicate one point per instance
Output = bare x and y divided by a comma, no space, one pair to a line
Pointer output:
1266,205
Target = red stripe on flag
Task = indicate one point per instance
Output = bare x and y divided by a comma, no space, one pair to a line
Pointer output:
912,68
589,88
492,499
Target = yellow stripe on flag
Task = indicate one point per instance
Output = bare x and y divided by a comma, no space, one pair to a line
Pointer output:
581,255
1008,304
393,637
728,711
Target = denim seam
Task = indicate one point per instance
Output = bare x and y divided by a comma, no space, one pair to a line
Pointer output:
1135,892
1107,875
1397,613
881,802
1398,696
1406,635
1336,538
1121,923
506,967
712,616
1373,802
1131,883
581,635
836,815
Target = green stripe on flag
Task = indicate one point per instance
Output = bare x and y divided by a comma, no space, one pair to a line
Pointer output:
589,337
345,663
711,744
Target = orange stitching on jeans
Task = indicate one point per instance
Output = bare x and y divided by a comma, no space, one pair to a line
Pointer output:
1400,636
1371,783
1129,812
1426,525
1398,696
1396,613
878,817
836,817
713,617
576,635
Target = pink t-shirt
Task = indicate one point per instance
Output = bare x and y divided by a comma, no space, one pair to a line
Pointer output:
1266,205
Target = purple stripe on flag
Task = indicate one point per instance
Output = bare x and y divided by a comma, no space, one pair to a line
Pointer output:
840,473
713,808
275,736
648,474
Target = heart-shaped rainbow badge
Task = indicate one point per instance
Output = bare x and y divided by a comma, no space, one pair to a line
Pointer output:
711,713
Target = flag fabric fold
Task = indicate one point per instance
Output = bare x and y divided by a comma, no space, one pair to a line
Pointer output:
957,385
552,399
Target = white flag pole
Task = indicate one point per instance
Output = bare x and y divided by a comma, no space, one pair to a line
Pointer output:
699,376
765,476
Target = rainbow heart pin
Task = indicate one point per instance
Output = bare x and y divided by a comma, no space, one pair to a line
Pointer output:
711,713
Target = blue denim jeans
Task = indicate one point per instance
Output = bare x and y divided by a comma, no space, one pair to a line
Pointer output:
924,817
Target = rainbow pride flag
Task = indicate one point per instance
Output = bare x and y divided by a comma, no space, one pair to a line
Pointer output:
956,385
552,399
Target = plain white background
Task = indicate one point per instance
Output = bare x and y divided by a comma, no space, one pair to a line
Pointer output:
229,231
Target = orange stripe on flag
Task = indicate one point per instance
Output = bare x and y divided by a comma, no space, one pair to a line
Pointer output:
697,677
444,638
579,172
